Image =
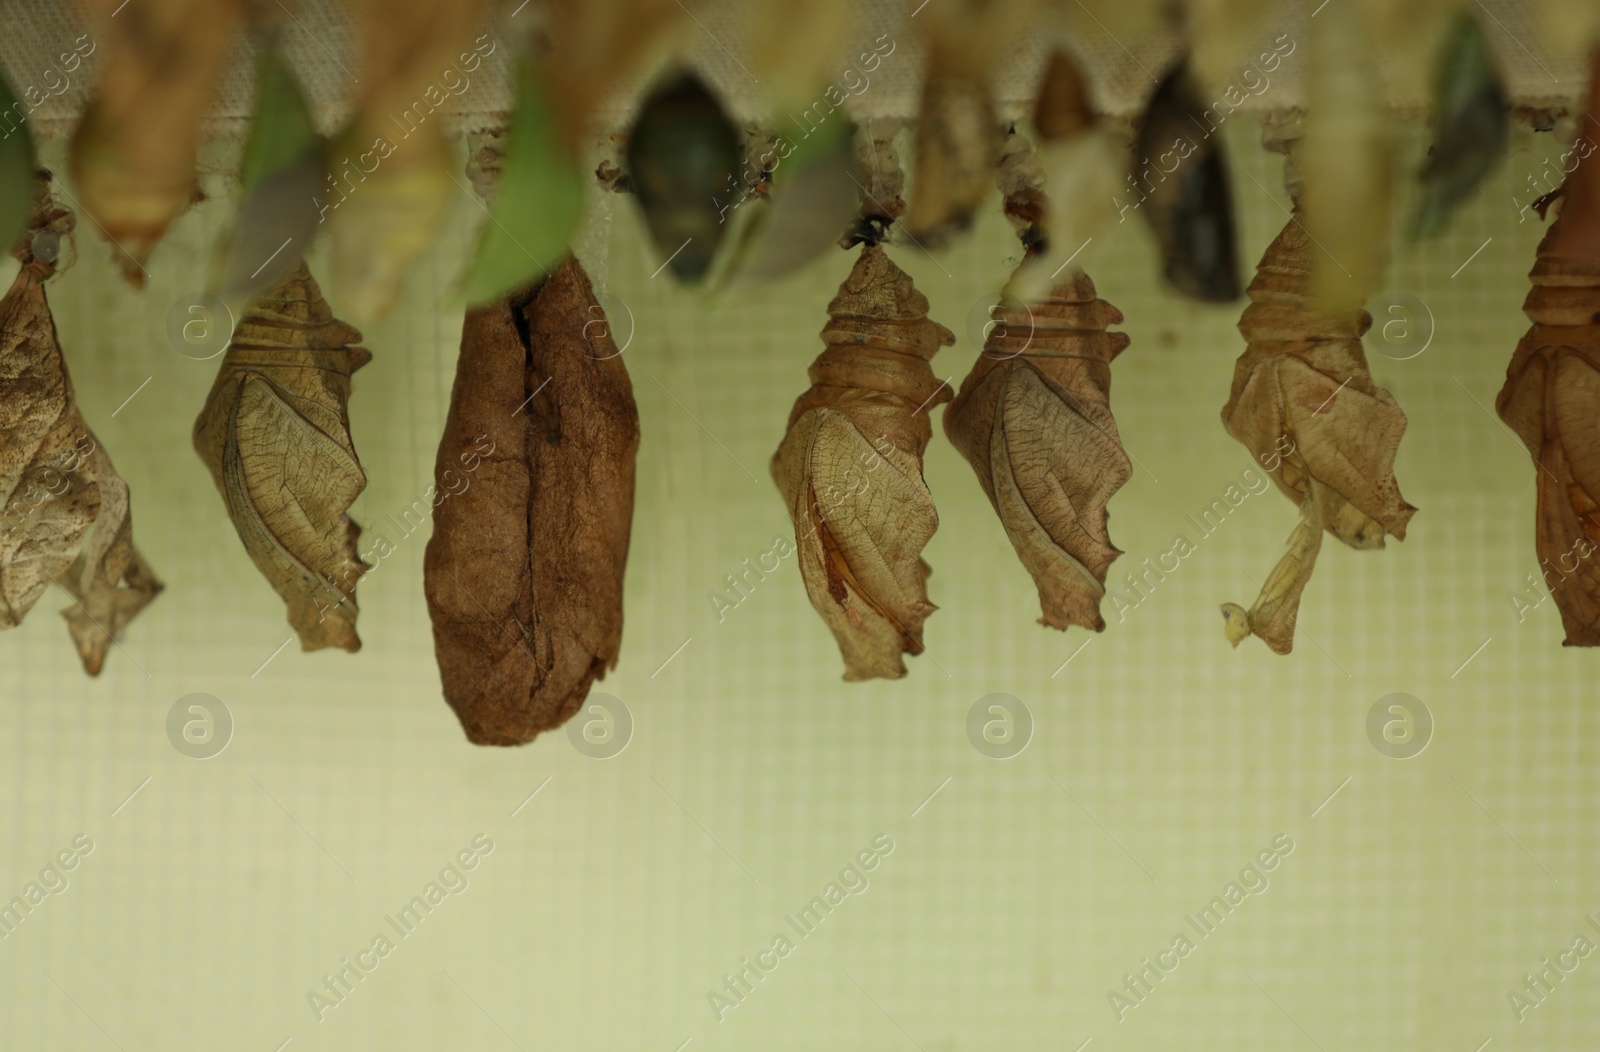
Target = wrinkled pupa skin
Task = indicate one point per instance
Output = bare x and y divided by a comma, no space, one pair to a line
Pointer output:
850,467
1305,405
1034,420
59,486
533,511
1551,398
275,433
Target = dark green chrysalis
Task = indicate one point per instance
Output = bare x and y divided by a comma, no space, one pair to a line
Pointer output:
1181,175
1472,121
683,160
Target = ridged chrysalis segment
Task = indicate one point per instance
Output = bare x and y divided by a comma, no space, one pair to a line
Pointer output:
1551,398
850,467
533,511
1034,419
1305,405
276,435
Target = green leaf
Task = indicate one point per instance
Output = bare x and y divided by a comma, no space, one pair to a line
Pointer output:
537,204
283,130
19,189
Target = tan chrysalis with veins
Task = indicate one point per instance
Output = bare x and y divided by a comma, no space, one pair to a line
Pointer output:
1034,420
1551,397
1305,405
65,516
850,467
275,433
534,505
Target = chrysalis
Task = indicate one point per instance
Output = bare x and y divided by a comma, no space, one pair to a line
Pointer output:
958,140
683,156
850,467
390,167
1183,190
812,197
958,131
1473,122
66,515
1305,405
1348,160
1034,419
283,170
533,505
276,435
1551,399
1083,168
134,153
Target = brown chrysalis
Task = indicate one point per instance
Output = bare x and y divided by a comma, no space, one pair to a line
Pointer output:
1551,397
134,153
1034,420
534,504
65,517
850,467
275,433
1305,405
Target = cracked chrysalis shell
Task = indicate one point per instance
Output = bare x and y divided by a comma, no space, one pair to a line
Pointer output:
1551,399
1034,419
533,507
66,516
275,432
1305,405
850,467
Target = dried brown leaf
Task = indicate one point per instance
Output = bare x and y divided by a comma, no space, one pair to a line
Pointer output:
534,504
65,516
134,153
1034,419
1305,405
850,467
275,433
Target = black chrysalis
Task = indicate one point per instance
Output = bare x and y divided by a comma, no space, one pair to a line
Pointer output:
1181,177
683,162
